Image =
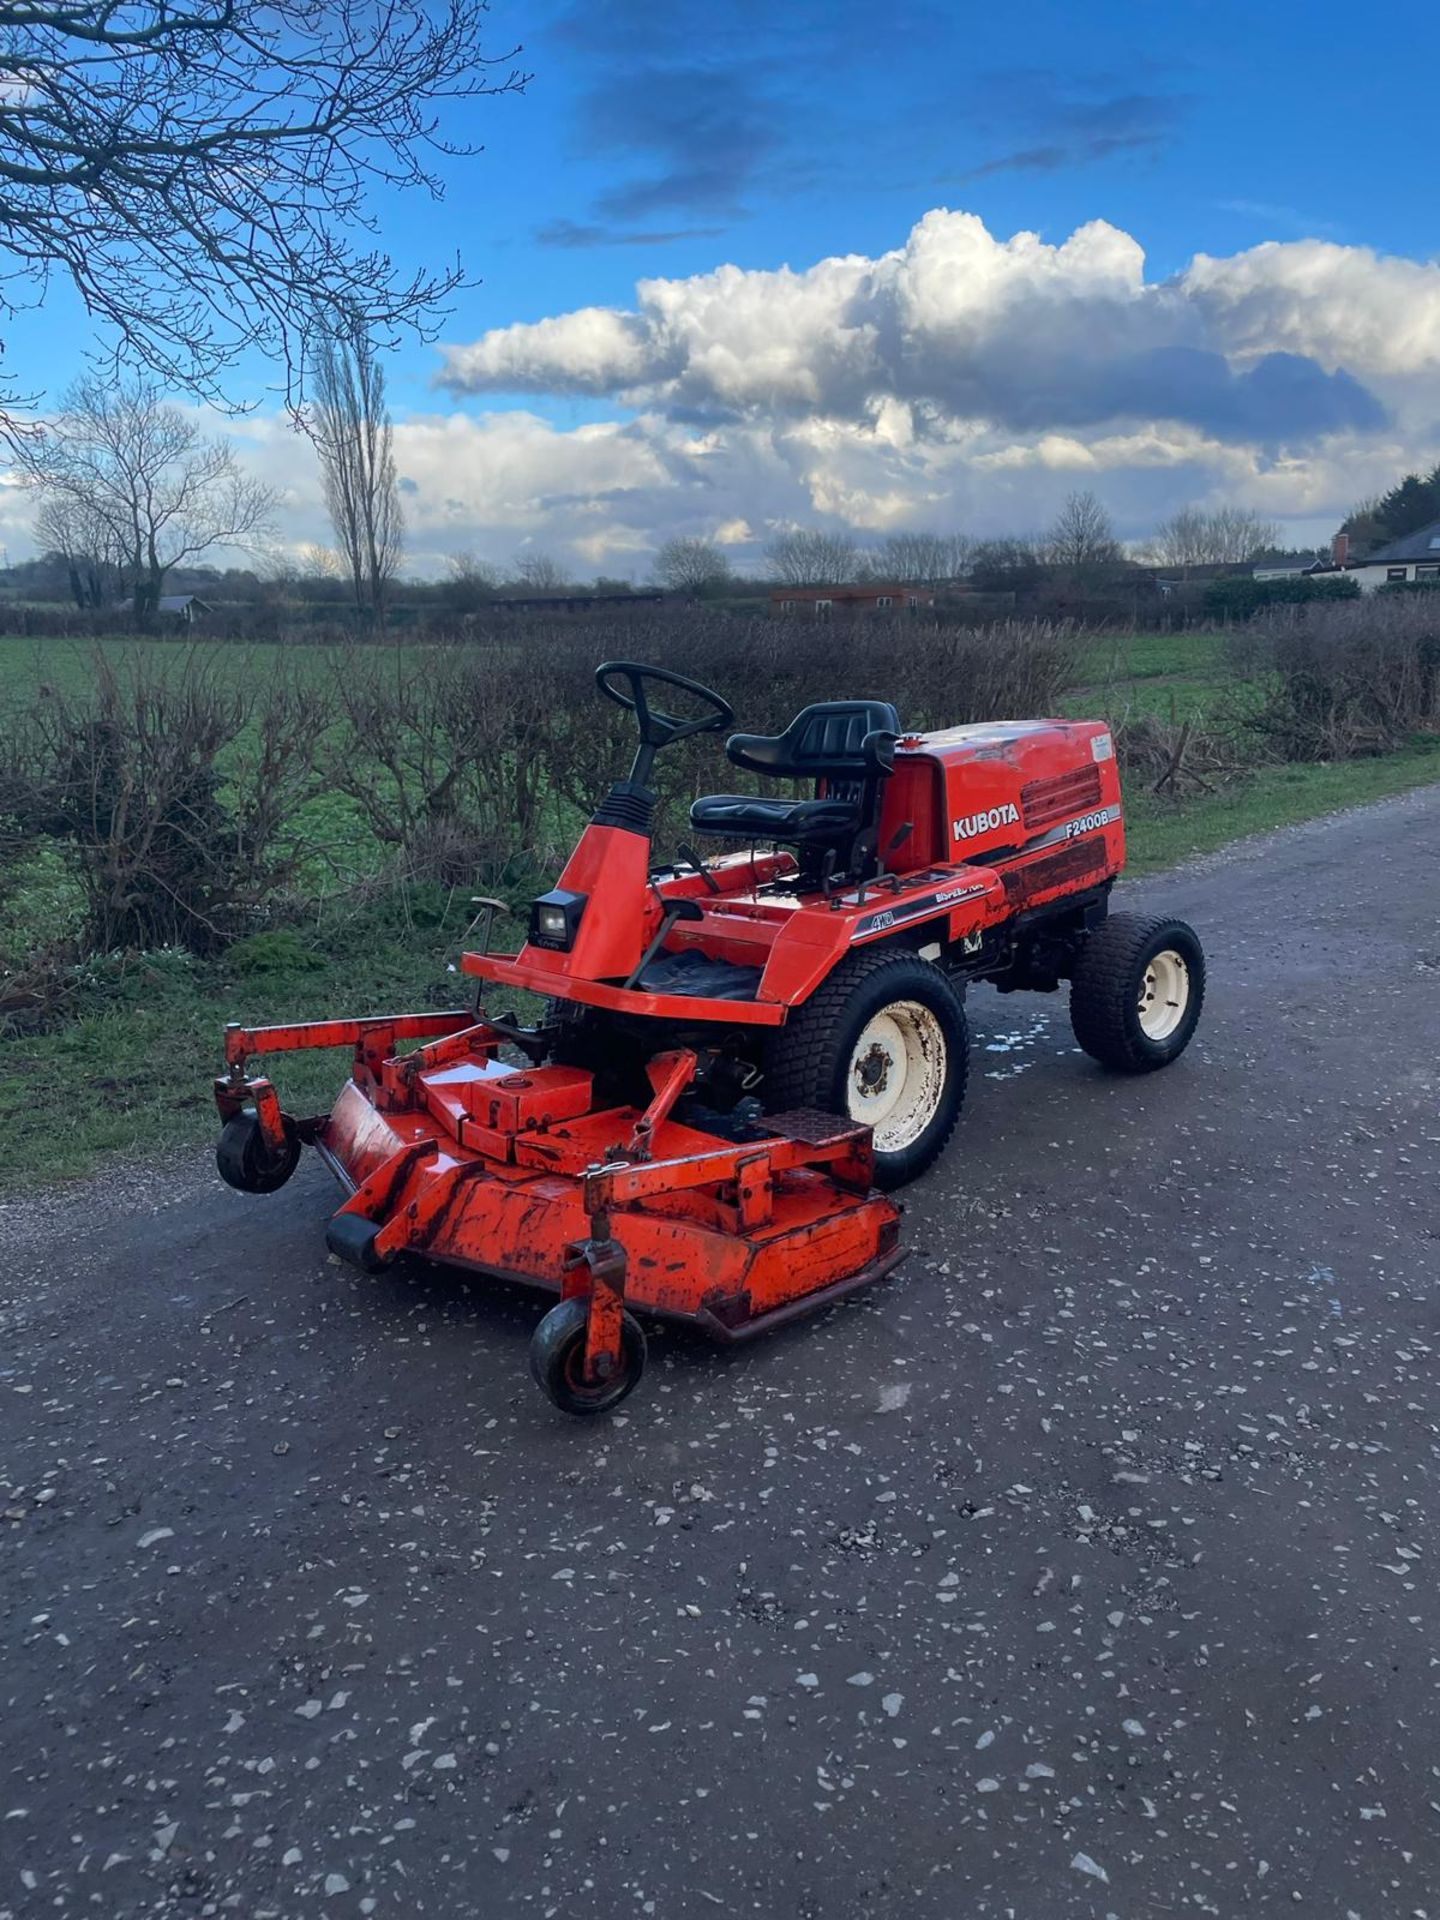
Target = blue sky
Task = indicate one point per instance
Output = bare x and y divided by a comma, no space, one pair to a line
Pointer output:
665,140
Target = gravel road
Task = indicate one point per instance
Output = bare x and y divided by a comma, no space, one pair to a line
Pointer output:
1085,1568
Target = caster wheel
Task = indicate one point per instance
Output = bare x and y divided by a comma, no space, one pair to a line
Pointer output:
557,1360
246,1162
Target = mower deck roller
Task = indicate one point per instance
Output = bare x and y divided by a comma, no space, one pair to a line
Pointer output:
451,1153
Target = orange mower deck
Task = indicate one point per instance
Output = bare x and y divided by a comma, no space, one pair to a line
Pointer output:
451,1153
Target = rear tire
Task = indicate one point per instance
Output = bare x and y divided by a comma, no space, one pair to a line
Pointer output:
1137,991
883,1041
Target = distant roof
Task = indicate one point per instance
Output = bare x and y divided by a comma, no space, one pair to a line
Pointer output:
1423,544
178,602
855,590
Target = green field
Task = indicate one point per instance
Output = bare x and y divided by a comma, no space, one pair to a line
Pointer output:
126,1068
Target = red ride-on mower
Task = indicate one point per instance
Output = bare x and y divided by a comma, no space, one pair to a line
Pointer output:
739,1050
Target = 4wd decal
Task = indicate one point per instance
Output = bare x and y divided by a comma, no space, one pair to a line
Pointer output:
887,917
1007,815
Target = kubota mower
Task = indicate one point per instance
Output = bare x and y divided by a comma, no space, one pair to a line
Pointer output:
740,1052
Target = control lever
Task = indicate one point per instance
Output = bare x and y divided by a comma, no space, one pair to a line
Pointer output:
897,840
692,859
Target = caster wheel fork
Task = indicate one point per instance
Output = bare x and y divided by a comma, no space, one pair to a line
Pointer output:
588,1353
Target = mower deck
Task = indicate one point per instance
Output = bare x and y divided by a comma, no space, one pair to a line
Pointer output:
451,1153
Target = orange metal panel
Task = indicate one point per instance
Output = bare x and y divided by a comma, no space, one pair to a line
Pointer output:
517,970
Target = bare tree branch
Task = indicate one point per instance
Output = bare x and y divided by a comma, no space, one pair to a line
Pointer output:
805,557
192,169
1194,537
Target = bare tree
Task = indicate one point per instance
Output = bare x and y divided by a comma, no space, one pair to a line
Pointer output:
1194,537
1009,563
74,530
691,566
805,557
351,428
191,168
469,582
144,472
541,573
915,559
319,562
467,569
1082,536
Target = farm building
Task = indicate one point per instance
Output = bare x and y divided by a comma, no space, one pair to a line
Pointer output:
873,597
184,607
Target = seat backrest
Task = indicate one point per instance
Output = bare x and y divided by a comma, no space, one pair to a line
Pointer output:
822,742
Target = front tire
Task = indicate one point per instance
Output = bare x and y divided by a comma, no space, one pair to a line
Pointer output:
1137,991
557,1360
244,1160
884,1042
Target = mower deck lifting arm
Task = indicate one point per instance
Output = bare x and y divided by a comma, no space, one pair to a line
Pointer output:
373,1040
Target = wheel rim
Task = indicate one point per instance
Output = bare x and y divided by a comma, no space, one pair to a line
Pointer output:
1164,994
897,1074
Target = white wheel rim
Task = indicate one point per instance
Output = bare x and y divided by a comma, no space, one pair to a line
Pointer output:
896,1075
1164,995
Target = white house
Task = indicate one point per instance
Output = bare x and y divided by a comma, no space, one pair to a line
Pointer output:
1414,557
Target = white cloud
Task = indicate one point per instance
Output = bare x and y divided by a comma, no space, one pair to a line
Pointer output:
967,380
1273,347
1343,306
959,381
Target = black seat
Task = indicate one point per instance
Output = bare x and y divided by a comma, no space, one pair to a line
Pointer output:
846,746
750,816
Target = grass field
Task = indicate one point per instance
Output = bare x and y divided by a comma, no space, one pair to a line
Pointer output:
128,1068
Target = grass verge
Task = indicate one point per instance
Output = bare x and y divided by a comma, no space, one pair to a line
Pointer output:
1161,833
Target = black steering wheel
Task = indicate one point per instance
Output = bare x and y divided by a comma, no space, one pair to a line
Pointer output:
657,727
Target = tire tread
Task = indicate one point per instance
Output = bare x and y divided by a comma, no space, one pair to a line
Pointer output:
804,1058
1102,990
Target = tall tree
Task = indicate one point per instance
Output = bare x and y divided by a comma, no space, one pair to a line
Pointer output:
137,468
806,557
192,169
1410,506
541,573
1008,564
470,581
1082,537
1364,528
691,566
353,434
1195,537
915,559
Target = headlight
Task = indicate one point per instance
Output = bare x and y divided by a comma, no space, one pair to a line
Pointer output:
555,919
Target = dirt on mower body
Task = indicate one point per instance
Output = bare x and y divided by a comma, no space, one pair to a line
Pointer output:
739,1051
